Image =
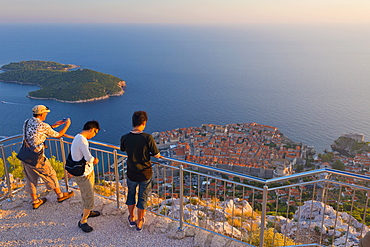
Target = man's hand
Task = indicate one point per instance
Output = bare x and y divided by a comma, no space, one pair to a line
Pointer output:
68,122
96,161
158,156
60,122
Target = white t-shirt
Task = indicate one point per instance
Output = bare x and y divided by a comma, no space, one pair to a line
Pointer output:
79,150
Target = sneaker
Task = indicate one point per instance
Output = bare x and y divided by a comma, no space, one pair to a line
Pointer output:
85,227
93,214
66,195
140,229
39,203
131,223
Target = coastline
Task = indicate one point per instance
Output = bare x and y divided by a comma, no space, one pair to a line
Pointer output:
72,66
84,100
21,82
121,84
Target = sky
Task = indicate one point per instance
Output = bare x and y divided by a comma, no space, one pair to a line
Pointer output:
185,11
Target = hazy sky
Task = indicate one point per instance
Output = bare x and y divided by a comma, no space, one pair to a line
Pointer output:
185,11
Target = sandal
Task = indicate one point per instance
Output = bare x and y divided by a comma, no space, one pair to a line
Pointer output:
39,202
66,195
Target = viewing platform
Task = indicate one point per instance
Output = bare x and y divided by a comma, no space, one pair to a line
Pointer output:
55,224
190,205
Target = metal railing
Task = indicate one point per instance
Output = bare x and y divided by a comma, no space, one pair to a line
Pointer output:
323,207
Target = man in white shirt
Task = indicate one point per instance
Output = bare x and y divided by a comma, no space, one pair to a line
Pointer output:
79,151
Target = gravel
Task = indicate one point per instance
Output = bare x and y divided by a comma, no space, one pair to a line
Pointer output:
55,224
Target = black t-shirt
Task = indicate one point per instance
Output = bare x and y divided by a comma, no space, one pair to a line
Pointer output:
139,147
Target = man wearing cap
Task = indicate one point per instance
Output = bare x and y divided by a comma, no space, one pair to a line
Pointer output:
35,133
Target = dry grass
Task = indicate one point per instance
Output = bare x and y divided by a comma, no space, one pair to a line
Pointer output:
235,222
154,201
239,212
104,190
211,204
238,222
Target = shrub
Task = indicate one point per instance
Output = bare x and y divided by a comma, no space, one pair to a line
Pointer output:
194,201
2,169
58,167
271,239
164,210
16,168
104,191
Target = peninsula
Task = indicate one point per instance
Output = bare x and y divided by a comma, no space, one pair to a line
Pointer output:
62,82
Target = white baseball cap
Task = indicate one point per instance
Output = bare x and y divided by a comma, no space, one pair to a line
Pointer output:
40,109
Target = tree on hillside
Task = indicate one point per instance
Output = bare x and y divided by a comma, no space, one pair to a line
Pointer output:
328,157
299,168
338,165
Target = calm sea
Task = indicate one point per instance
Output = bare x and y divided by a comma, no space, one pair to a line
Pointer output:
312,82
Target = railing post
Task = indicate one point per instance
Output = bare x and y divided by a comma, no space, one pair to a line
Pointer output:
62,150
6,173
116,175
263,216
181,198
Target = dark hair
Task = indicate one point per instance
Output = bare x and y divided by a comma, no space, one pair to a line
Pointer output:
91,124
139,117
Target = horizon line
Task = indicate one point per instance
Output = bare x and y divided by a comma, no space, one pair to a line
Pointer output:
189,24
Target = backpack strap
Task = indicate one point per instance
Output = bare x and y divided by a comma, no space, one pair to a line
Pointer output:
24,133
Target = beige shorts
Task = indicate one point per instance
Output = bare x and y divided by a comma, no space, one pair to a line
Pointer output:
86,184
44,171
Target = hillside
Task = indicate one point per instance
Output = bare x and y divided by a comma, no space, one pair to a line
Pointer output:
59,83
34,64
349,147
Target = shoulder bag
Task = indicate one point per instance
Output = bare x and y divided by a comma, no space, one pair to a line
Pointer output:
76,168
28,154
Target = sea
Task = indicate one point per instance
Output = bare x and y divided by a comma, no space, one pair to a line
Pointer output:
312,82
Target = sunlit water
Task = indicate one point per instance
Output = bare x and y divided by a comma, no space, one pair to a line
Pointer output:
313,83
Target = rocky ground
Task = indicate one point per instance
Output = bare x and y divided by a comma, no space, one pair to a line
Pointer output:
55,224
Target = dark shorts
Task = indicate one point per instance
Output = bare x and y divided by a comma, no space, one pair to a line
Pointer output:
144,189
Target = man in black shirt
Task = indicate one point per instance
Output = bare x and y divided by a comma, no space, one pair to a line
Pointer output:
139,146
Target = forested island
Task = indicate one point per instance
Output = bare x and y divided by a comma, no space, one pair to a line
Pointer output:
59,82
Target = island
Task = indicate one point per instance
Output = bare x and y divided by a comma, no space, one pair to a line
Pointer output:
63,82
